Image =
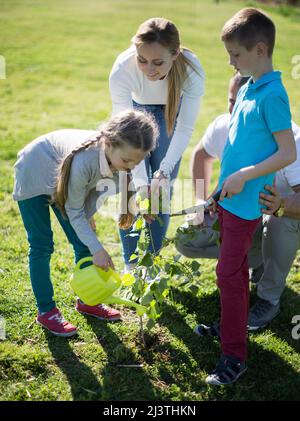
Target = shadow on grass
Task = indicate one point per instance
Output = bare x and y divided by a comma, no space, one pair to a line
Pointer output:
120,382
182,367
270,377
83,383
207,310
204,351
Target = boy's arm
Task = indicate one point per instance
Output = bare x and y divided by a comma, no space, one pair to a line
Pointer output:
285,155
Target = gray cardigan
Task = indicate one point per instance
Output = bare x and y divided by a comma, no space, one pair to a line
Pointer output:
36,171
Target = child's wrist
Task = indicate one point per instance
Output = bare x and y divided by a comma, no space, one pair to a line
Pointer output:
245,173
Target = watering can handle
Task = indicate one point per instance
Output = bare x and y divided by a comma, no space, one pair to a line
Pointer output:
81,261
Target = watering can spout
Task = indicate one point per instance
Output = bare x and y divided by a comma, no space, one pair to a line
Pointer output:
123,301
95,286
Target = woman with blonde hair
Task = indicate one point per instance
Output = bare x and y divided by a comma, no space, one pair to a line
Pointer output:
160,76
61,170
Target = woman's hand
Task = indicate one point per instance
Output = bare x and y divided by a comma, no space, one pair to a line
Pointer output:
272,201
233,184
160,175
103,260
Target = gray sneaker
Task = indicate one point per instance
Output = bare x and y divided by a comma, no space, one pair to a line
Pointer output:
261,314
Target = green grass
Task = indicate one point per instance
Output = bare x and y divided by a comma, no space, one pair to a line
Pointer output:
58,55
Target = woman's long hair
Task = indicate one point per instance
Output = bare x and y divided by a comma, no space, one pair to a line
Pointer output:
165,33
134,128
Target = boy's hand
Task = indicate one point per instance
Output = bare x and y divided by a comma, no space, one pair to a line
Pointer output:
233,184
212,209
103,260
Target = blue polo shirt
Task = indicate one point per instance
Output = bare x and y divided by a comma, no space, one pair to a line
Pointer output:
262,108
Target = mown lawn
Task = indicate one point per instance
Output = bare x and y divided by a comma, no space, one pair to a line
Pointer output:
58,55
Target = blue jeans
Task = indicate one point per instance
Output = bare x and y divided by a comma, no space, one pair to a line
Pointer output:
36,218
152,162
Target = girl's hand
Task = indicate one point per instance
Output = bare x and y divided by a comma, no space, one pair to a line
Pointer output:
233,184
149,218
103,260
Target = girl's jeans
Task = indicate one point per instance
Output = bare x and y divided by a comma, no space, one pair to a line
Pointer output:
152,162
233,281
36,218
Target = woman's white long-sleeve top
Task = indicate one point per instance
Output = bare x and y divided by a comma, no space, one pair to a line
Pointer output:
128,83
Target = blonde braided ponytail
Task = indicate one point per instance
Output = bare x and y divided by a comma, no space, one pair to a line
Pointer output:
61,192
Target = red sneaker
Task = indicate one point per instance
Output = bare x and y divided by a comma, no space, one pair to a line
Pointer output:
100,311
56,324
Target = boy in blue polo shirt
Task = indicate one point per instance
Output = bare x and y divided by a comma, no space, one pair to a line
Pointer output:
260,142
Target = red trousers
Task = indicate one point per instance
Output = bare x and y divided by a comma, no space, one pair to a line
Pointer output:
233,281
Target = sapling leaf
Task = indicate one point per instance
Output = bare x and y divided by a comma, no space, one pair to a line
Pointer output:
146,300
216,226
195,265
165,293
176,270
139,224
168,268
194,289
162,285
143,246
184,282
167,241
147,260
127,279
157,260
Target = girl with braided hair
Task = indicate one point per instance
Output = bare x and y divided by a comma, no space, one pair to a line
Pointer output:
61,170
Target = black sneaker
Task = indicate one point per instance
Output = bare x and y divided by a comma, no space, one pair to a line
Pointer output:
262,313
228,370
208,330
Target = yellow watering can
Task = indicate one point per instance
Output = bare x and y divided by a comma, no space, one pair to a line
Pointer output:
95,286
